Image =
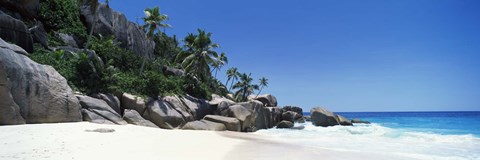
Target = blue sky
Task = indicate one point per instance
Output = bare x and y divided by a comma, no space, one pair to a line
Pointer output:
347,55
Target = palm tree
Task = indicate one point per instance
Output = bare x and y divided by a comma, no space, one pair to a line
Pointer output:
219,62
153,21
263,83
245,87
232,74
198,54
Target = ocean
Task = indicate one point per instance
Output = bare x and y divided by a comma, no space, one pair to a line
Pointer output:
417,135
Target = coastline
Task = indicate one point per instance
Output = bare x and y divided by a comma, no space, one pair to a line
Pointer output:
72,141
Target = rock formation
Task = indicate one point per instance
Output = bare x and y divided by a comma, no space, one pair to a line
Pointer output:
31,92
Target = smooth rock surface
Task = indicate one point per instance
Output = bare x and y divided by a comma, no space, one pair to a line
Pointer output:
231,124
15,31
33,92
136,103
343,121
133,117
285,124
323,117
267,99
112,23
204,125
162,114
100,108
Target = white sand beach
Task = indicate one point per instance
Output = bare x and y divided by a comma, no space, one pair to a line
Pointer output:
64,141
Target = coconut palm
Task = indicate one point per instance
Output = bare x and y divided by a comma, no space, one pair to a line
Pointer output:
232,74
154,21
245,87
198,54
219,62
263,83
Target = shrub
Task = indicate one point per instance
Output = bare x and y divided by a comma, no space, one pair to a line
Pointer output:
62,16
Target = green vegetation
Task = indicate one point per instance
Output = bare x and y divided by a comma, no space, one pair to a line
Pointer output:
106,67
62,16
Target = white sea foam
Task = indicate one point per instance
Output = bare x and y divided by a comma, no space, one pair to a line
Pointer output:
375,138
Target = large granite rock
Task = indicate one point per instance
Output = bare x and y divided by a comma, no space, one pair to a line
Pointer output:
136,103
15,31
31,92
323,117
101,108
285,124
259,114
162,114
111,100
295,109
90,116
112,23
343,121
267,99
289,116
216,100
232,124
276,116
170,71
245,117
27,9
199,108
204,125
39,34
132,117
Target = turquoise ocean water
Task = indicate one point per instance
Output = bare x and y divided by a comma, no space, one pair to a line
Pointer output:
415,135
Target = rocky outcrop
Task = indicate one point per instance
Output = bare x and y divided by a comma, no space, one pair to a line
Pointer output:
204,125
295,109
276,116
67,39
100,108
136,103
343,121
289,116
132,117
27,9
323,117
162,114
267,99
231,124
112,23
199,108
39,34
31,92
243,115
111,100
216,100
285,124
15,31
170,71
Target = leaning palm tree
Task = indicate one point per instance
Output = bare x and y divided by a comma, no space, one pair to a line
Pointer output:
245,87
263,83
198,54
232,74
219,62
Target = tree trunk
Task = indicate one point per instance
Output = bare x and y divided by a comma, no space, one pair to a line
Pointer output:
89,39
259,91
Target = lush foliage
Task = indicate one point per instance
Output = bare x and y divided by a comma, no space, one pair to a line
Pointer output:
106,67
62,16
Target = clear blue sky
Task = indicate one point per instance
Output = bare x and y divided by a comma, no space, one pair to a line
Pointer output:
349,55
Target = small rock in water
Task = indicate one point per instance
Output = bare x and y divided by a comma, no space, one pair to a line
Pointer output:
101,130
